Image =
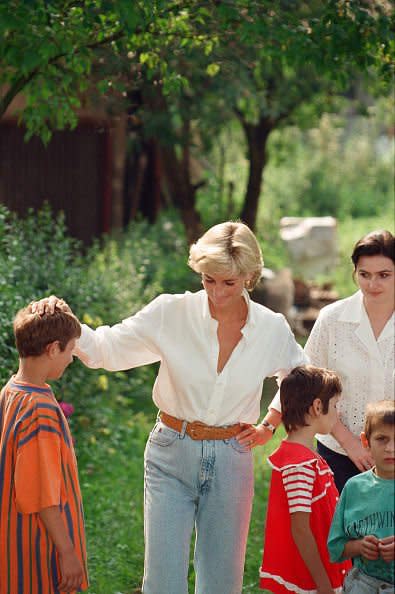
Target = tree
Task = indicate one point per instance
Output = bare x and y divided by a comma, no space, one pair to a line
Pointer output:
49,49
194,64
266,63
308,53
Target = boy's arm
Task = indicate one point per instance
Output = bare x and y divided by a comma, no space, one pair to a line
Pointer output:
72,573
307,546
340,545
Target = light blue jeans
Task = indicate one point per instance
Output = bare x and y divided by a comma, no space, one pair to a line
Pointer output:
203,484
357,582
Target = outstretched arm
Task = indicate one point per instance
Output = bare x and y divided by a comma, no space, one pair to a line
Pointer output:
126,345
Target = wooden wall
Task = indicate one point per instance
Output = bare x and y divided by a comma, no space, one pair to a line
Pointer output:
73,173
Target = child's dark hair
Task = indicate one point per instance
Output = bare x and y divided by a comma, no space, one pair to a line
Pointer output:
33,332
376,243
379,413
300,388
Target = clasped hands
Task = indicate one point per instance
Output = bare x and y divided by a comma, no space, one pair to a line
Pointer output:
372,547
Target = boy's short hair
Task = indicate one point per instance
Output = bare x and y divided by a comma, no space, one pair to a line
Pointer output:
300,388
379,413
33,332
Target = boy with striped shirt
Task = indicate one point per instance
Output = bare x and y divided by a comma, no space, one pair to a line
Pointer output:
303,494
42,536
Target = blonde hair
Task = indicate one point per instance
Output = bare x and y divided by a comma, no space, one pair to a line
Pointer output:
228,248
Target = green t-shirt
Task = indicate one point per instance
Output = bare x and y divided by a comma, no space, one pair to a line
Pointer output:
366,506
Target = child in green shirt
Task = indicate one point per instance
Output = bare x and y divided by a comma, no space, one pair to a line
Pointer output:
363,524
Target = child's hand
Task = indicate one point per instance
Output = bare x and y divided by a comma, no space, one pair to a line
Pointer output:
387,548
325,590
370,547
71,571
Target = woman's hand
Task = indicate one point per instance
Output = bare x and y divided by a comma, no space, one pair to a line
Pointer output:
353,447
254,435
47,305
387,548
358,454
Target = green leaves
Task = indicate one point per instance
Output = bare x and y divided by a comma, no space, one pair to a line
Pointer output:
249,51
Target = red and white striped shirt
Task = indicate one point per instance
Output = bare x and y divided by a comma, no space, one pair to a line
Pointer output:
301,482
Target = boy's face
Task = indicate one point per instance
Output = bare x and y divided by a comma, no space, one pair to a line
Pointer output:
328,421
382,448
60,359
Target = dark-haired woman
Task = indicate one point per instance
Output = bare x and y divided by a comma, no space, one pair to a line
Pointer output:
355,337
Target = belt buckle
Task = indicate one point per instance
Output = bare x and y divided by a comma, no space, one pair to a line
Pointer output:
196,429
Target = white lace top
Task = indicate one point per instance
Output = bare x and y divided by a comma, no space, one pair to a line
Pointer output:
342,339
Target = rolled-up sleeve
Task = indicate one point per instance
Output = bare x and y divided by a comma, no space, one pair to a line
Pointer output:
131,343
291,356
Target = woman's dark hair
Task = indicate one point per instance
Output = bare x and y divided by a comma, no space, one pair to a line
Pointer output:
376,243
300,388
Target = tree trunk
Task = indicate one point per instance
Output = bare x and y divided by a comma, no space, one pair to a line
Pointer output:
257,136
118,133
182,191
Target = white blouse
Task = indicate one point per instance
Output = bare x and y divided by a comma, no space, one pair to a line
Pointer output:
178,331
342,339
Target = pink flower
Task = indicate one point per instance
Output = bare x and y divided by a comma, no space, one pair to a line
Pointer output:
67,409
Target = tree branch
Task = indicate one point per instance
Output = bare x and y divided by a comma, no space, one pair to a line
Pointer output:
19,84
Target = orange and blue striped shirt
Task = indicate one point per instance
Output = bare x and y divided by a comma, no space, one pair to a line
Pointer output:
38,469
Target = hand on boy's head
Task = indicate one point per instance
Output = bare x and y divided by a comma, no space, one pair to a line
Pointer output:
47,305
370,547
387,548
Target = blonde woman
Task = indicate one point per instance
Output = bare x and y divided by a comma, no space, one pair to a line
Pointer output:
215,348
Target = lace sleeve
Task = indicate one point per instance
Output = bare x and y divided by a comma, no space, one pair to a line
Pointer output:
317,345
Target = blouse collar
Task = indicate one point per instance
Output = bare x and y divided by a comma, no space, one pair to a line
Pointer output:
251,316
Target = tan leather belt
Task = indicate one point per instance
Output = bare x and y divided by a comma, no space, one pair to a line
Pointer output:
198,430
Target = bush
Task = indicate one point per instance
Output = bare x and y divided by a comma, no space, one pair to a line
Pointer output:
109,281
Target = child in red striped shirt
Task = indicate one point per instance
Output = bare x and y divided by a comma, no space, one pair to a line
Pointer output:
42,537
303,494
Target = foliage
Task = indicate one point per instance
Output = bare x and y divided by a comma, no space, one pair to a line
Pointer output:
191,49
109,282
113,411
342,167
182,69
49,48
